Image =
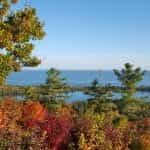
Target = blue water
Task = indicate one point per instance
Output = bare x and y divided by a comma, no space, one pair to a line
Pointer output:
80,78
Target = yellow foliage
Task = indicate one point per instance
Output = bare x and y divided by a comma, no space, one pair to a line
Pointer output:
96,137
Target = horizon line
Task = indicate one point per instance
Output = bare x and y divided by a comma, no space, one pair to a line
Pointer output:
65,69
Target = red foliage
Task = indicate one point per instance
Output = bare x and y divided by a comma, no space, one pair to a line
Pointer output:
54,128
119,138
140,126
56,131
145,123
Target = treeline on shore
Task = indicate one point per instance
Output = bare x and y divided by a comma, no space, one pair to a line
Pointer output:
128,73
14,90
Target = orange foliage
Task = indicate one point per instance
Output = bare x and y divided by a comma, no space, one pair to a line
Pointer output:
34,110
10,113
2,118
66,111
145,141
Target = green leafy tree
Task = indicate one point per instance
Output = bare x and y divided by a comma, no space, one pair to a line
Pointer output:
129,77
18,29
55,91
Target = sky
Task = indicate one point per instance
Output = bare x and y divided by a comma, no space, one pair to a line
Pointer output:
93,34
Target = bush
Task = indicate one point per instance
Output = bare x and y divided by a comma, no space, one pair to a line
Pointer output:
103,135
29,125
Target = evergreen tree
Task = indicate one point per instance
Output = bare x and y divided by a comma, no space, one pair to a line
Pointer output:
100,98
54,92
129,77
17,31
97,92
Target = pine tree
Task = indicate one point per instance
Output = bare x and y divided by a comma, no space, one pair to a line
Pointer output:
129,77
100,98
55,91
97,92
18,29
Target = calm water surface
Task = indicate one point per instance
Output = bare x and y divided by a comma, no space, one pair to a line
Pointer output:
81,78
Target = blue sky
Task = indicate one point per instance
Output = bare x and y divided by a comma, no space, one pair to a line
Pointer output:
94,34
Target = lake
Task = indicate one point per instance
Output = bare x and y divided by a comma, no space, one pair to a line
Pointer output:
73,77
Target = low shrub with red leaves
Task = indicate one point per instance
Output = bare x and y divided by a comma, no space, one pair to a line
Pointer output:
54,128
30,120
119,138
30,125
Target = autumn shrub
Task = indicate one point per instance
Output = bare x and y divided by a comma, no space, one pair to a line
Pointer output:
144,141
12,134
10,114
102,134
54,128
33,110
94,138
67,111
140,127
82,124
20,140
55,131
29,125
141,136
118,138
135,109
